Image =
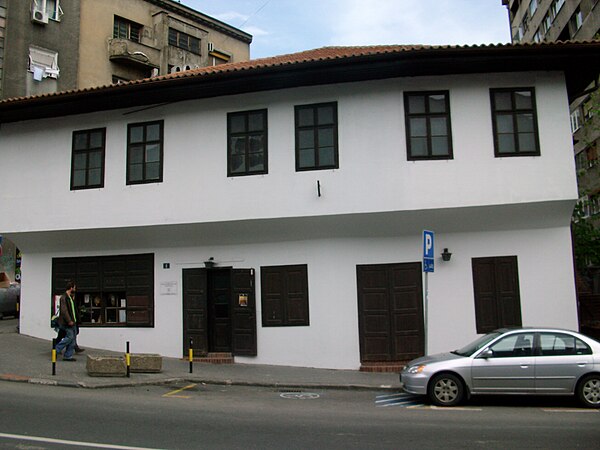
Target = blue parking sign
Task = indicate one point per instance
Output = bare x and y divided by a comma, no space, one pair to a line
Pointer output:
428,249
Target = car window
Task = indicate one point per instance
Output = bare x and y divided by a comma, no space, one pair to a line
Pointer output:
514,345
480,342
558,344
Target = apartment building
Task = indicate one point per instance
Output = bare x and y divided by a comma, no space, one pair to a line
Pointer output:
57,45
275,209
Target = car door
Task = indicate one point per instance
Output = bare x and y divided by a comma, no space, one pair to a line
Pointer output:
562,359
505,366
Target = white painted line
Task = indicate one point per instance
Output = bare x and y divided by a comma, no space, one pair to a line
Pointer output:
571,410
65,442
454,408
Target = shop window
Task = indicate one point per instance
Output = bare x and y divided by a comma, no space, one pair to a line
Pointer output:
111,290
284,296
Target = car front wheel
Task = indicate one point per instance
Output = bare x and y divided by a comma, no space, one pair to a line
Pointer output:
446,390
588,391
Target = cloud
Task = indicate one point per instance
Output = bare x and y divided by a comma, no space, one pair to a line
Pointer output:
231,17
416,22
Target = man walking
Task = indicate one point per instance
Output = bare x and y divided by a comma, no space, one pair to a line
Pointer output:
67,321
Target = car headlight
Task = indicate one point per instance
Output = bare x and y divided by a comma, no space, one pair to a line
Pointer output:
416,369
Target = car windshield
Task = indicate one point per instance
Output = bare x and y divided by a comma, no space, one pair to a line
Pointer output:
481,342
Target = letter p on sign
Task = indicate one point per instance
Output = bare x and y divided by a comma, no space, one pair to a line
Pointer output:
428,244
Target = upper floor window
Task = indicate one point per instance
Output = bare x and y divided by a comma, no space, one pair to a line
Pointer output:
50,8
533,4
515,122
184,41
316,136
576,120
145,152
126,29
247,143
428,133
87,159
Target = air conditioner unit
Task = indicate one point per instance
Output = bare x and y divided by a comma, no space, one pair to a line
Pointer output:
39,16
211,47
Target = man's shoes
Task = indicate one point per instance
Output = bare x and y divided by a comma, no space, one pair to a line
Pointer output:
69,359
79,350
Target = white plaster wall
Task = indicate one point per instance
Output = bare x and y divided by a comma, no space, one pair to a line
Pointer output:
332,339
374,174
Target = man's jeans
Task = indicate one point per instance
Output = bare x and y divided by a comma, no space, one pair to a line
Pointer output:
68,342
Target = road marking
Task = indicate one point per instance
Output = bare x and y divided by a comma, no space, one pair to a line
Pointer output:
571,410
65,442
400,399
299,395
174,393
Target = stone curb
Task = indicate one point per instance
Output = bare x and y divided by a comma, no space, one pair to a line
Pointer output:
274,385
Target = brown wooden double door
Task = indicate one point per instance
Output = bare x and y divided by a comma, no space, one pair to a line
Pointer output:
219,311
390,306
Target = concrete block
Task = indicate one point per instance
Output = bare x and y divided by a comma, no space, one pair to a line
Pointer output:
145,363
106,366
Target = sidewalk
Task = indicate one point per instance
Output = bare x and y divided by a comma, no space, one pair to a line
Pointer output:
28,359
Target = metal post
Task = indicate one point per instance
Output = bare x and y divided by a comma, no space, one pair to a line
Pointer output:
54,356
127,359
191,355
425,308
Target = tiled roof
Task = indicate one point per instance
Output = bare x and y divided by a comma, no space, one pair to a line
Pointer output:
579,61
308,56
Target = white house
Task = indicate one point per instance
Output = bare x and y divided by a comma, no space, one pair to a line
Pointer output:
274,209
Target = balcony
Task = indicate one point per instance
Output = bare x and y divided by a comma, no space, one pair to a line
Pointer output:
133,53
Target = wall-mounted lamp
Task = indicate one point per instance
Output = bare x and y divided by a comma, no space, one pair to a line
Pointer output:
210,262
446,255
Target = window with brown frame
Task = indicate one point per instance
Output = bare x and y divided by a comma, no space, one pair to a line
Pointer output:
145,152
284,296
126,29
316,136
514,122
87,159
184,41
247,143
428,131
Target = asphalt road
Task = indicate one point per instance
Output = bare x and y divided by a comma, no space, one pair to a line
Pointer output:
196,416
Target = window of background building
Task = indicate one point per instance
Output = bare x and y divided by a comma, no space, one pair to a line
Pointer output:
145,152
284,296
428,133
43,63
184,41
316,136
87,160
533,4
126,29
514,122
247,143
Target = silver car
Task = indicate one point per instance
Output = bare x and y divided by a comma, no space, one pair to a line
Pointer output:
511,361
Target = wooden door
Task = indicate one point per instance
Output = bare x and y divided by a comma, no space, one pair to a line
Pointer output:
219,310
390,305
195,303
496,289
243,301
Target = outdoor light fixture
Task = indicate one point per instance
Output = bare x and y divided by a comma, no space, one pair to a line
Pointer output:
210,262
446,255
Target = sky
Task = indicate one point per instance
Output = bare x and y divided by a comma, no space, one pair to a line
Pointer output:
287,26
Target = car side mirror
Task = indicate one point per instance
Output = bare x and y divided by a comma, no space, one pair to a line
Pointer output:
487,353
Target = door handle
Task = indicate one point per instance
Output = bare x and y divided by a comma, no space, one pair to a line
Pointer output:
524,366
582,364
